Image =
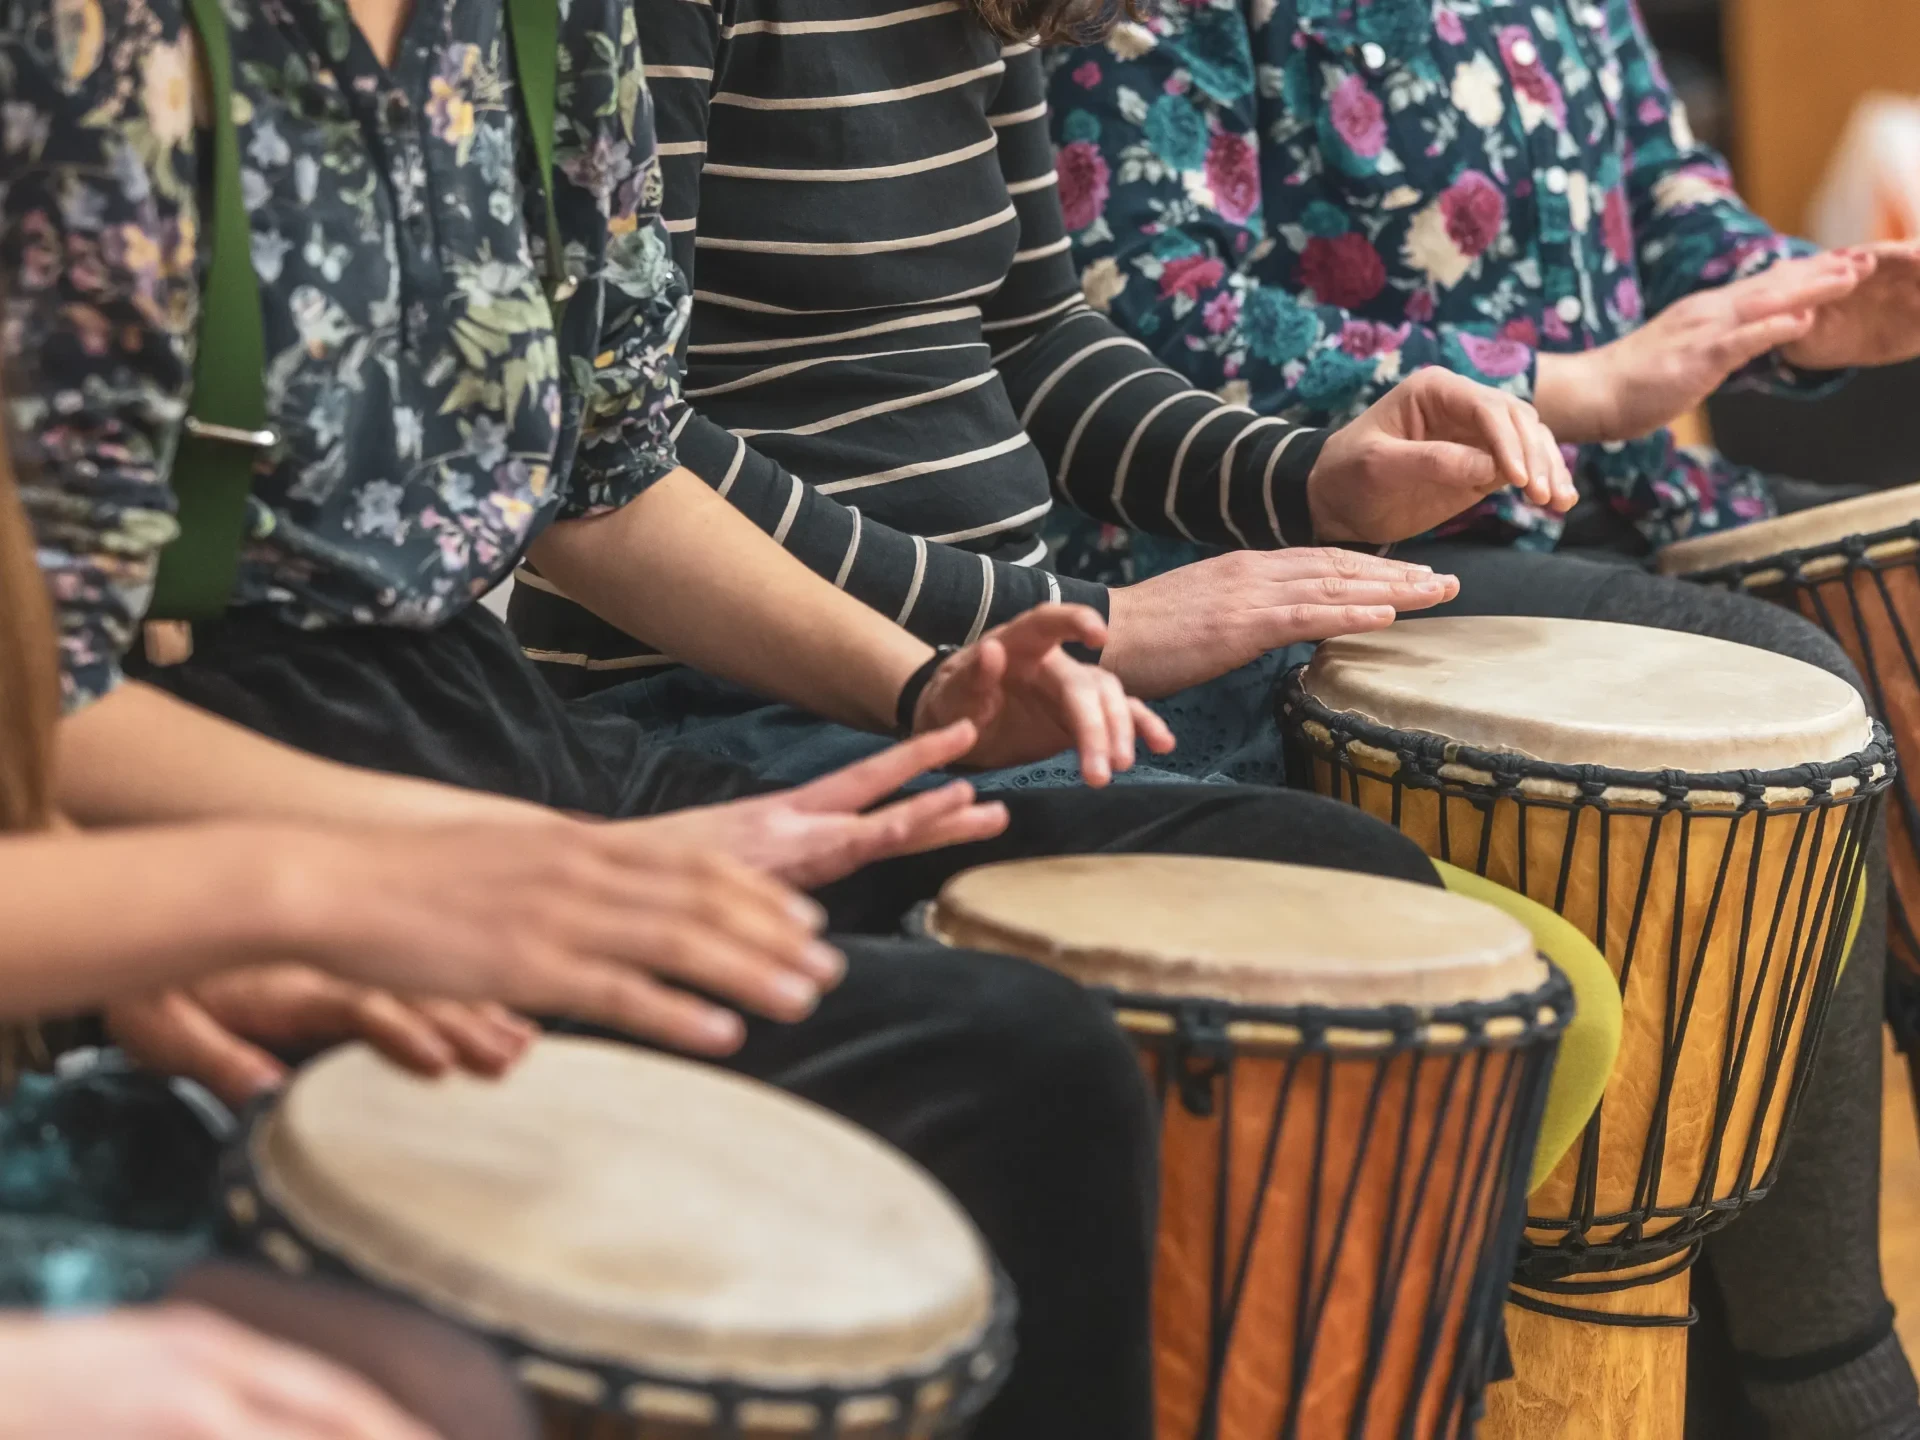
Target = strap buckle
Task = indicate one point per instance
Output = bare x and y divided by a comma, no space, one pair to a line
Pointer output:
231,434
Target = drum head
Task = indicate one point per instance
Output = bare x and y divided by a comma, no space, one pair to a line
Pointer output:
1581,692
1242,931
603,1203
1802,530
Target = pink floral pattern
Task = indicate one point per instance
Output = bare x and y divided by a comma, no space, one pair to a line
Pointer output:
1083,183
1354,220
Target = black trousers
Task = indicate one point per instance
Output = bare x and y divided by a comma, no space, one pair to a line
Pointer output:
1007,1082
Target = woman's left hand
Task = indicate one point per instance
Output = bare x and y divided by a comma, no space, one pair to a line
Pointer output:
1029,700
1877,324
214,1032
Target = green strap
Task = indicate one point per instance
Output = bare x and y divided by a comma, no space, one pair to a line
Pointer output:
534,28
226,427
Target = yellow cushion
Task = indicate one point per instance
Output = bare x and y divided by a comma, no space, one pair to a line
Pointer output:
1591,1041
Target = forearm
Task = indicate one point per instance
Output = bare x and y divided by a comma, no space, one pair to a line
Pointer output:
89,918
140,756
684,571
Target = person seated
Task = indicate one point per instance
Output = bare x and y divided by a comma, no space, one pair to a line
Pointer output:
431,423
890,369
1295,205
106,1173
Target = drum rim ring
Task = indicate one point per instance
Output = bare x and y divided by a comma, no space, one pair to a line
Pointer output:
254,1224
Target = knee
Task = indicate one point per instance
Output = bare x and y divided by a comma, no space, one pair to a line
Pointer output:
1047,1052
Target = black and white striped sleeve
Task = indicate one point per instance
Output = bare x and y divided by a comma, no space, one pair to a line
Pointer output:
1126,440
942,592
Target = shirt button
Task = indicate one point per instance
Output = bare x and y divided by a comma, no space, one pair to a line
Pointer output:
1557,180
397,110
1568,310
1524,54
1373,56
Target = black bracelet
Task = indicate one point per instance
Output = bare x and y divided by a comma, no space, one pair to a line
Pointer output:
916,686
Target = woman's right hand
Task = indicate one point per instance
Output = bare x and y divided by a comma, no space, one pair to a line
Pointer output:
1200,621
555,916
1669,366
178,1372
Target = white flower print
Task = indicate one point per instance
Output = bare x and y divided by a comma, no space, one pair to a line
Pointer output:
1101,281
1477,92
1429,248
166,89
1579,201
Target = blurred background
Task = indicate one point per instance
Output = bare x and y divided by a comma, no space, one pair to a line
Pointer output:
1817,103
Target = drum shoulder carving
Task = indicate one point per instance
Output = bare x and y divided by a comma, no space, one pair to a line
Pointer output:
645,1234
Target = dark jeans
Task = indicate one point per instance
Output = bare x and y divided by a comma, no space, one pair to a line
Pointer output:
1799,1273
1007,1082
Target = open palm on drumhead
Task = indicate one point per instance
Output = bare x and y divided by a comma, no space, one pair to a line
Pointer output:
1877,324
1200,621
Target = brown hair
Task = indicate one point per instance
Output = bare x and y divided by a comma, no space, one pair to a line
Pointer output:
1054,22
29,673
29,709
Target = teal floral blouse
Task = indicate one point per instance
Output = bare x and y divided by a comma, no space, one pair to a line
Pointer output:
1296,203
431,421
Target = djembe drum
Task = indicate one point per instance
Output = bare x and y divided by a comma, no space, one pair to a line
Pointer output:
666,1251
1351,1072
1853,568
1699,809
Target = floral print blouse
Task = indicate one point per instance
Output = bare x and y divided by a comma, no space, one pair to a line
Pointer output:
431,421
1298,202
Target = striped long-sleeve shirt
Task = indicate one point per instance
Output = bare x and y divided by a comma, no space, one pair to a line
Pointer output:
891,368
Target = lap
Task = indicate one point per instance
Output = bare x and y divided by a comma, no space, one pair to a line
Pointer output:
1224,728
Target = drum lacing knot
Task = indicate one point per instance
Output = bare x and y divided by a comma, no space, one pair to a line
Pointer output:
1591,780
1201,1051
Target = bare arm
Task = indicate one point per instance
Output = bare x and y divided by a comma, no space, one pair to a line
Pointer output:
185,901
681,569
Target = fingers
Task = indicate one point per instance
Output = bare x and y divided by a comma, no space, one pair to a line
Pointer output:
957,824
971,686
699,953
1794,285
175,1036
1291,624
1031,634
620,998
1549,484
1467,473
1752,341
1119,717
486,1039
403,1034
1413,593
859,785
1150,727
1318,562
927,821
298,1393
1501,430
